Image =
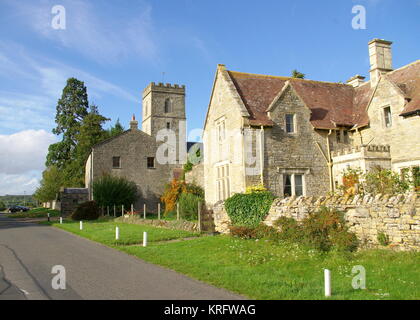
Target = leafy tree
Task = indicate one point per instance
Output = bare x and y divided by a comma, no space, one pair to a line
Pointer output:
52,180
297,74
90,133
81,127
116,130
72,108
2,206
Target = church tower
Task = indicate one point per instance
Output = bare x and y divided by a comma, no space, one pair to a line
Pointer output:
164,108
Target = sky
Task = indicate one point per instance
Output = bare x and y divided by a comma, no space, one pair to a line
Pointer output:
118,47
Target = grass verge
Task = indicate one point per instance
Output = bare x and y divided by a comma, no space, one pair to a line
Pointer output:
264,269
35,213
103,231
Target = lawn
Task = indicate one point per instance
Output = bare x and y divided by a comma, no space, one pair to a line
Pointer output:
264,269
103,231
35,213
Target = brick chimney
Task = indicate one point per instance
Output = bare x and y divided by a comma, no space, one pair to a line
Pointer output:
134,124
380,56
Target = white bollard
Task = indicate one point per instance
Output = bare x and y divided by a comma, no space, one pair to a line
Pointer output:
144,239
159,211
122,211
132,209
61,220
117,233
81,225
144,211
327,280
177,211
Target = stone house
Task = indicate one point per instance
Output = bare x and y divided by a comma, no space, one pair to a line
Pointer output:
295,136
149,157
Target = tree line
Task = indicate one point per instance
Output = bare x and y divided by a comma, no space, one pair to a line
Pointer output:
80,126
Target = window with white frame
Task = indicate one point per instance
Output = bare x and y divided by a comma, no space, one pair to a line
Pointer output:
293,184
222,182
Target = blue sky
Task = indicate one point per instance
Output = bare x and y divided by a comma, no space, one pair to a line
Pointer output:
118,47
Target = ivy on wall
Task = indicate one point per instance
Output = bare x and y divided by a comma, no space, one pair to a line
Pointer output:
248,209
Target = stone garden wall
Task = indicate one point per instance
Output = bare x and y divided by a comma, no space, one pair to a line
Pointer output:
396,216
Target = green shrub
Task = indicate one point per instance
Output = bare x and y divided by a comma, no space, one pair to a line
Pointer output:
383,239
188,206
290,230
109,190
262,231
195,190
2,206
326,228
323,230
385,181
248,209
243,232
86,211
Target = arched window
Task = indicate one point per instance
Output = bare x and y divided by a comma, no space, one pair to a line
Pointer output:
168,105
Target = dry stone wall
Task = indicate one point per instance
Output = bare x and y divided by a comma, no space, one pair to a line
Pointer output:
396,216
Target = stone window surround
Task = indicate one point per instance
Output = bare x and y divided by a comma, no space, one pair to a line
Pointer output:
294,123
148,163
168,105
292,171
113,162
384,116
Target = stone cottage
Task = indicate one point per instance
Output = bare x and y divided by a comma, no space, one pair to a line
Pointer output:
152,156
296,136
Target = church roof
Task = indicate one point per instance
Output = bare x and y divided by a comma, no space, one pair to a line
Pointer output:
331,104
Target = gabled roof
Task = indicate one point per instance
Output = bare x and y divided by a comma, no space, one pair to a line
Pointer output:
331,104
407,79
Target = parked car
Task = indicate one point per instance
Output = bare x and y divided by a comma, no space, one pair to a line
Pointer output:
18,209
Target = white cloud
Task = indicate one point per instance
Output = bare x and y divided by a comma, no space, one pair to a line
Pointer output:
17,184
91,34
24,151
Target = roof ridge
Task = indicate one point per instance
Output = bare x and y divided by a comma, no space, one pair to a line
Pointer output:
287,78
403,67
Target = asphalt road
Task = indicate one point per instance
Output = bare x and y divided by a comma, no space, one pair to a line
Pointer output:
29,251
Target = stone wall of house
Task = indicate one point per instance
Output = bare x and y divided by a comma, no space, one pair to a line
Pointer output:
196,175
133,147
396,216
297,152
400,136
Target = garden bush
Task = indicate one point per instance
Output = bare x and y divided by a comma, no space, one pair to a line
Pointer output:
2,206
248,209
323,230
86,211
385,181
262,231
188,206
173,192
109,190
326,228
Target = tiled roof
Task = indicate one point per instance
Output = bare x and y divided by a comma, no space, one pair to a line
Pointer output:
331,104
408,81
